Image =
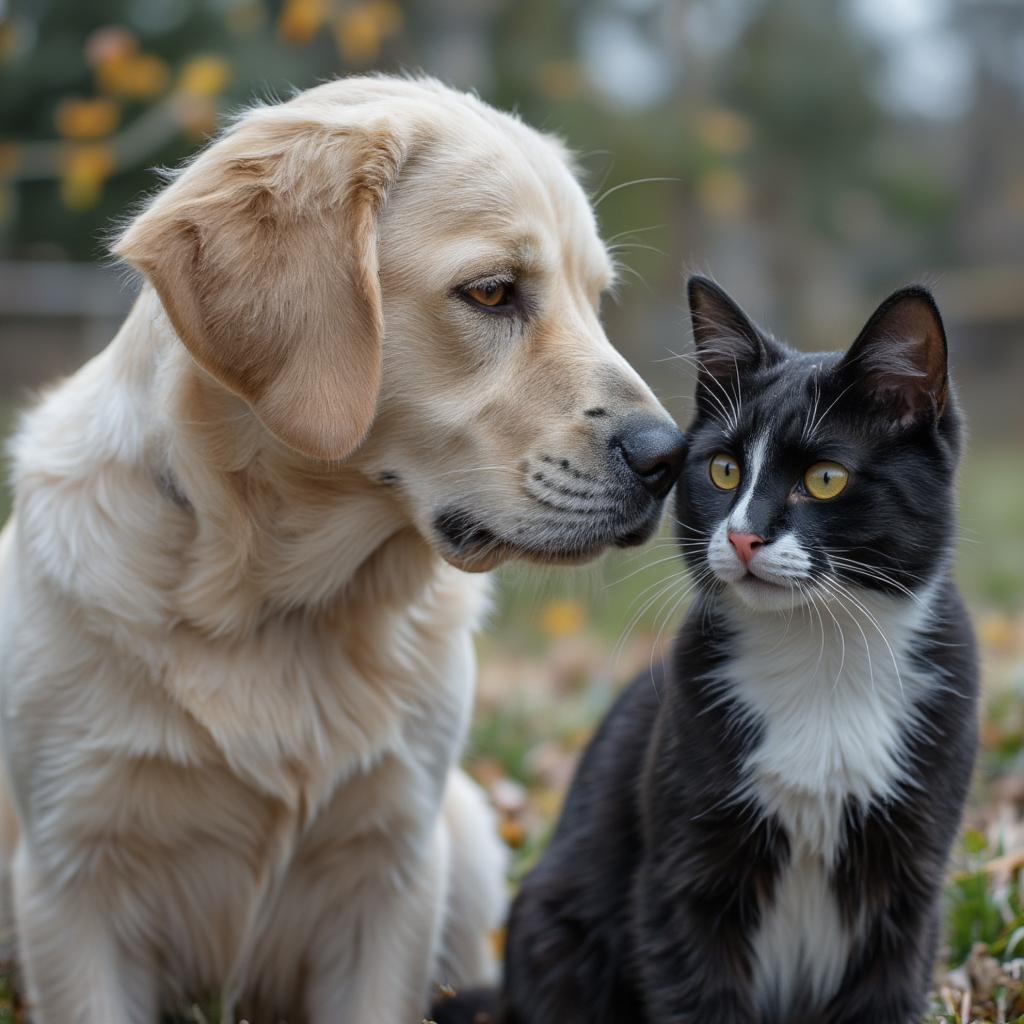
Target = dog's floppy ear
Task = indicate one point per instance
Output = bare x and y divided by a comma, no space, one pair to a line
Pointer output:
264,255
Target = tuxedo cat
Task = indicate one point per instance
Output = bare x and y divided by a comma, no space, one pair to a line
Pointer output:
759,833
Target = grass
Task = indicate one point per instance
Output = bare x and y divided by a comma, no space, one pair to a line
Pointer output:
561,643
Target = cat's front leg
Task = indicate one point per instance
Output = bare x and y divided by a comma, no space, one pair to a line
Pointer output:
888,982
892,1002
692,955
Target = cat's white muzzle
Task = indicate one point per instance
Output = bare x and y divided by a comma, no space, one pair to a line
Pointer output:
771,580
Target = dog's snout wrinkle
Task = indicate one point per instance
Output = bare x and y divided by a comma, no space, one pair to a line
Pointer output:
567,467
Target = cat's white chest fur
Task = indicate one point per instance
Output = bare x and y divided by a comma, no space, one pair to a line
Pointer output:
832,698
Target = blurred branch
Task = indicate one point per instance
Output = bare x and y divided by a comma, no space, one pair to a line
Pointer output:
131,148
53,289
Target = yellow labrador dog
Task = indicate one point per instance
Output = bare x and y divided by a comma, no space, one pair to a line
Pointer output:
235,626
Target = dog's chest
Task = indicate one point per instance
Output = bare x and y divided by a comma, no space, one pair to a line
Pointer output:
298,713
832,710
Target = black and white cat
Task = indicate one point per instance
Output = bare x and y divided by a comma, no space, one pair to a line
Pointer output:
759,834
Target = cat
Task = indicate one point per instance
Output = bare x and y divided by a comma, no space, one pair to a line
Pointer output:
759,832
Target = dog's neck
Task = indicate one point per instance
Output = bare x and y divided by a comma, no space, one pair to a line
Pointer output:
272,533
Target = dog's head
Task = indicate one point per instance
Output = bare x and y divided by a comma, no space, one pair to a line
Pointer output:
395,275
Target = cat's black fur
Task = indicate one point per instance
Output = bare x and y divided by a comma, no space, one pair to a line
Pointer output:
645,907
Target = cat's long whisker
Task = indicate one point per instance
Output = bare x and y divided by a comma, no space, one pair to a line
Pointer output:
658,582
813,603
842,641
726,418
863,569
864,637
739,388
643,568
731,415
812,412
821,419
667,618
686,526
794,587
734,421
872,570
874,622
897,563
662,587
710,602
694,584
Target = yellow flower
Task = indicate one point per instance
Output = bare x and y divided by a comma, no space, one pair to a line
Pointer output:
204,76
722,192
301,20
86,168
9,157
87,119
997,632
513,833
498,943
139,76
358,34
197,116
389,16
560,618
724,131
548,801
8,37
6,203
560,80
360,30
247,16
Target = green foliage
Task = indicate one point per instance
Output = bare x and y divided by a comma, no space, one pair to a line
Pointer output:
975,916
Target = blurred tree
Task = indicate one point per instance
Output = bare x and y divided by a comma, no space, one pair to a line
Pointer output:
787,162
92,95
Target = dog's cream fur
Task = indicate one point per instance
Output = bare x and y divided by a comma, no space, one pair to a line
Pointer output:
235,663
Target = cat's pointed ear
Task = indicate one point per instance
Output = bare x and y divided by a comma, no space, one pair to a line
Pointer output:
727,342
899,358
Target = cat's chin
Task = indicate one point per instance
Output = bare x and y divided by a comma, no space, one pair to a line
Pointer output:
764,596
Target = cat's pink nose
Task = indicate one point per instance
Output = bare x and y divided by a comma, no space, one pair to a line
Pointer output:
745,545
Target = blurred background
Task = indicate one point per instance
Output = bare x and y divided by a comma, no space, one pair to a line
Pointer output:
812,155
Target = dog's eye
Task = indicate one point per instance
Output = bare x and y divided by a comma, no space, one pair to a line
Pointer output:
490,294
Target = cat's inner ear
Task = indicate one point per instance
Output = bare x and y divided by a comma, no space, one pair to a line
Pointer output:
728,344
899,358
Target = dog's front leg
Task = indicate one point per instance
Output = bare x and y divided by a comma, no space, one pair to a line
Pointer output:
75,969
373,959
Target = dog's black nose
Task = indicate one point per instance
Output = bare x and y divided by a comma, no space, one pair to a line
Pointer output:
654,449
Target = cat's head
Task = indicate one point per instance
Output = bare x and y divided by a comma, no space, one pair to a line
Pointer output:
812,475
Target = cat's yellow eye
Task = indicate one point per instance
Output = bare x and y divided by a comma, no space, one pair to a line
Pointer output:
490,293
725,472
826,480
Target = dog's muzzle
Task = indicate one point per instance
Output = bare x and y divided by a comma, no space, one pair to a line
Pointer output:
569,510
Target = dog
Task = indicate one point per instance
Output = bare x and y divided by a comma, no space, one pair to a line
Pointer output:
247,556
